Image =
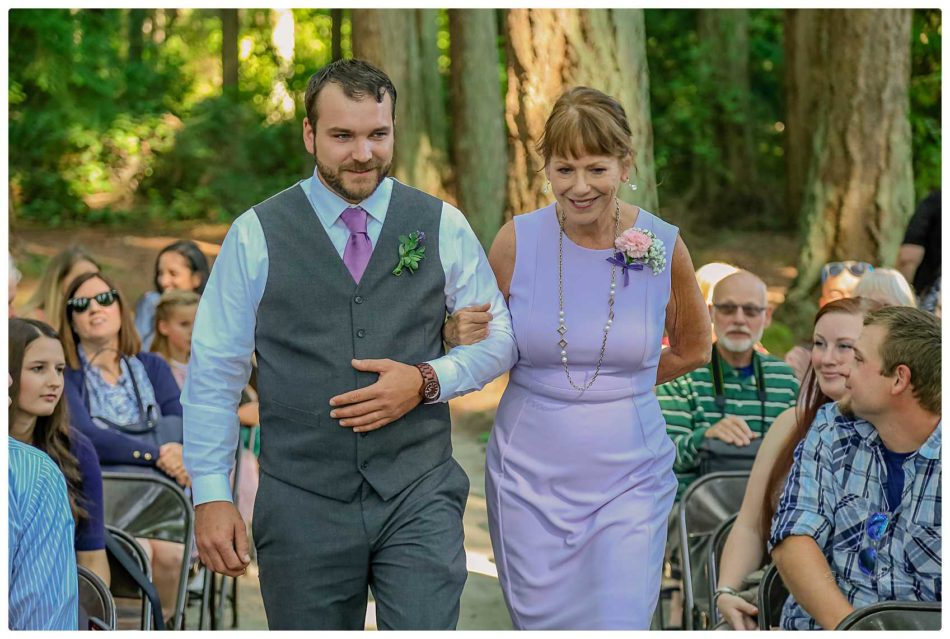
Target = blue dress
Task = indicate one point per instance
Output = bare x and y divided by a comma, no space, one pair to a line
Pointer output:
579,486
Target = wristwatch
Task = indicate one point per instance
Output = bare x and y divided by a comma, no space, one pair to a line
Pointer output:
430,389
725,590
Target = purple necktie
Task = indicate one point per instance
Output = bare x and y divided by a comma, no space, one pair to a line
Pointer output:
359,248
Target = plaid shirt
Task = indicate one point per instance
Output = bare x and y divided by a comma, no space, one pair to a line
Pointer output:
837,480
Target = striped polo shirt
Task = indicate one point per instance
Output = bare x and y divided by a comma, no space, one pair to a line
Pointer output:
689,406
44,587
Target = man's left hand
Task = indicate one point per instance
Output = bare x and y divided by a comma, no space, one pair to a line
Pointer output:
394,394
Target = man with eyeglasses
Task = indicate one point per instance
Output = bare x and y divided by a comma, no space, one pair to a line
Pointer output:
859,518
735,397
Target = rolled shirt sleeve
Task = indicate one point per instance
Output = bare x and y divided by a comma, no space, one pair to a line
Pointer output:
807,503
220,364
469,280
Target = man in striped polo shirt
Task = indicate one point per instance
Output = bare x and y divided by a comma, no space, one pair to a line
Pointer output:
740,392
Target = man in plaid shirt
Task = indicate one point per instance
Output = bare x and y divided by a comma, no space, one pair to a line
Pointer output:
859,519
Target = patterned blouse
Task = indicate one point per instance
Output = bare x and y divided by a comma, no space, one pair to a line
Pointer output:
117,402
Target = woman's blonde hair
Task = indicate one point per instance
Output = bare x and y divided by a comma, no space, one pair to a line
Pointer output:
48,295
708,275
586,121
170,299
887,286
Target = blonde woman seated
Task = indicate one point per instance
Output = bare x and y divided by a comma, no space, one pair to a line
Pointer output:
837,326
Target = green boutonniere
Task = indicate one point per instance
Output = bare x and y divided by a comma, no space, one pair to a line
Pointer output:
411,252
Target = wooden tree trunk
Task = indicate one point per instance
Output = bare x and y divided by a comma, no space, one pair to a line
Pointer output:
229,49
552,50
336,34
478,119
390,39
859,190
803,68
136,36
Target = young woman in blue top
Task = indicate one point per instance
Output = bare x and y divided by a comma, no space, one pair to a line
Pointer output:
38,417
180,266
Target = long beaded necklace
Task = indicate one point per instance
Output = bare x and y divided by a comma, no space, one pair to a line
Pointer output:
562,327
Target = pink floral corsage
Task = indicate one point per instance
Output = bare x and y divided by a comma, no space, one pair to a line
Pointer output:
638,247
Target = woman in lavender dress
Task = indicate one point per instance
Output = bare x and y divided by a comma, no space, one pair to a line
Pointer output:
579,471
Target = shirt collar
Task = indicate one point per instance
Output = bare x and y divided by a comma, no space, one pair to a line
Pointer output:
929,450
329,206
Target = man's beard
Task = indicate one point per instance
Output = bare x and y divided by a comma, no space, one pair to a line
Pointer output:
845,407
335,182
739,345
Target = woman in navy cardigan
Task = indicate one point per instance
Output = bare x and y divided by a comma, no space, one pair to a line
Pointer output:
108,381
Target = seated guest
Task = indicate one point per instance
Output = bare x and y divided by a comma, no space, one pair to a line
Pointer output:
111,388
837,326
919,255
724,399
43,585
38,417
859,519
838,281
46,303
887,286
174,320
180,266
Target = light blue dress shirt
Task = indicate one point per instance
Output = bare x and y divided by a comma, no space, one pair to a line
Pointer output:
44,587
223,337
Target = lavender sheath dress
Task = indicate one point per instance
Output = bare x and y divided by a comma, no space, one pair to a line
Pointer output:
579,486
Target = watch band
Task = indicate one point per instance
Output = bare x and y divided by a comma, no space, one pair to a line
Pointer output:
725,590
430,389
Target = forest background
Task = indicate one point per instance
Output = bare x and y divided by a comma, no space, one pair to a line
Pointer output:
819,128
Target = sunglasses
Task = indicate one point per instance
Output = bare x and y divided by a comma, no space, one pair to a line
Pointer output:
832,269
81,304
750,310
874,530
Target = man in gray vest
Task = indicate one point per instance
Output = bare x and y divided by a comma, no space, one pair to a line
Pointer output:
340,284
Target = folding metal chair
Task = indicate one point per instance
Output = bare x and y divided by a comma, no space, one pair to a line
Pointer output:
772,596
96,607
152,507
709,501
123,585
716,545
894,615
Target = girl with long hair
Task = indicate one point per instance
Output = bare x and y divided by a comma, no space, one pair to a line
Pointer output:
180,266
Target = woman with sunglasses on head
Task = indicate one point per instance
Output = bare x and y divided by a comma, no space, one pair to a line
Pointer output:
837,326
38,417
180,266
112,386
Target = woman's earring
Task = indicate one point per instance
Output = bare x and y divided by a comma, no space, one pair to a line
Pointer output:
546,188
632,185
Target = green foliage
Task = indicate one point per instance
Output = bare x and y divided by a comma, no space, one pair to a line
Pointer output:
925,100
778,339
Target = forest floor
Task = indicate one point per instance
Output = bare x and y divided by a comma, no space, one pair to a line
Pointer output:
128,255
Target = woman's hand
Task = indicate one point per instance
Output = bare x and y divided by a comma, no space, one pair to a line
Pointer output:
737,612
467,326
170,462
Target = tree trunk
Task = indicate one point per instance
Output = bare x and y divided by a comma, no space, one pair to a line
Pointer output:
478,120
390,39
552,50
229,50
803,68
336,34
136,36
859,190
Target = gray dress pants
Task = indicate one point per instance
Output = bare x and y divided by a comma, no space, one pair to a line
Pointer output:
318,555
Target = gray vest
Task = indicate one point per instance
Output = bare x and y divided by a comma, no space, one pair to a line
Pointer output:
313,319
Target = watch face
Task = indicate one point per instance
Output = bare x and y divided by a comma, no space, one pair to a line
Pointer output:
431,390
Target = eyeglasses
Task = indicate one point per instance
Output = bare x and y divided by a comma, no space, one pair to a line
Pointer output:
750,310
832,269
874,530
81,304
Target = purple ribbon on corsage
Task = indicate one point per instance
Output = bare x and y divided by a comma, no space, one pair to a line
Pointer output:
618,259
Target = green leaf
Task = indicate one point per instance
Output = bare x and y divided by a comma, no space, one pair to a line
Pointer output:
403,239
402,250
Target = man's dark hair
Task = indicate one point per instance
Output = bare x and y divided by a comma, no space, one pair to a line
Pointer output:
357,78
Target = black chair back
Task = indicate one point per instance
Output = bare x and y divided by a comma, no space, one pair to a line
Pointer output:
96,607
152,507
772,596
124,586
709,501
894,615
716,545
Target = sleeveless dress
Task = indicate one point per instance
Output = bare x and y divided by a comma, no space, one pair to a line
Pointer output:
579,486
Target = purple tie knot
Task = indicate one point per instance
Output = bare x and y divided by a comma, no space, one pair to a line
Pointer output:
355,219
